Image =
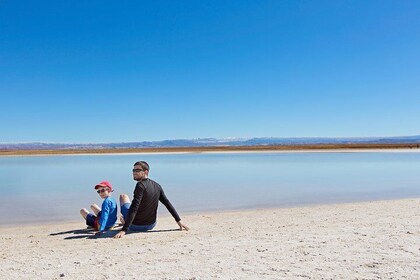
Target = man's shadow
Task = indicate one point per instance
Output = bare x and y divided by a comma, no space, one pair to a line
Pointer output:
90,233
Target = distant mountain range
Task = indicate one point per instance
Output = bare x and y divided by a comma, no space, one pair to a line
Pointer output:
212,142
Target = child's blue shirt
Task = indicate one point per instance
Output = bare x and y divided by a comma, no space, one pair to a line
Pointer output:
108,213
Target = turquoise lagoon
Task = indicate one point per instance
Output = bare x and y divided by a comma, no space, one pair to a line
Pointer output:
40,189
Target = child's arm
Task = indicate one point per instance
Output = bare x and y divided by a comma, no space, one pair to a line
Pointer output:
104,215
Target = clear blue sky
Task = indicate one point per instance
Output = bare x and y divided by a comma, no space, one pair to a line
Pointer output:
122,71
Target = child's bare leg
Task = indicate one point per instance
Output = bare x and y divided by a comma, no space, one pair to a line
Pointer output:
95,208
84,213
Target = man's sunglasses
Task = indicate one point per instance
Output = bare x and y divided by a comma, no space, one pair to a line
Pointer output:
137,170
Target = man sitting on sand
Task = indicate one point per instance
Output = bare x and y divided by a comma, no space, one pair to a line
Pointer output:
140,215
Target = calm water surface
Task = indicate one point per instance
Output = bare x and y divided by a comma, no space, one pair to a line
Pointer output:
54,188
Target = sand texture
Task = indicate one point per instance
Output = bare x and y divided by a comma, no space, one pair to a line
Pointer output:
369,240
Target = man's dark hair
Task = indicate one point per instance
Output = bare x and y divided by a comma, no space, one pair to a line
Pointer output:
144,165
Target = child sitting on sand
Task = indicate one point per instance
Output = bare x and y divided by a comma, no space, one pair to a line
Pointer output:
106,217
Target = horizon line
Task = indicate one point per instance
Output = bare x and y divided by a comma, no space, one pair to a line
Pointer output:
208,138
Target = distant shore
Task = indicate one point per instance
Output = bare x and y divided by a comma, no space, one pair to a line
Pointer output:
265,148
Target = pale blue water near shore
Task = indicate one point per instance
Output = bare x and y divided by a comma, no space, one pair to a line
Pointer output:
39,189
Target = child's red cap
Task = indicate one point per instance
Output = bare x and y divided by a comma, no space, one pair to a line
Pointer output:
104,184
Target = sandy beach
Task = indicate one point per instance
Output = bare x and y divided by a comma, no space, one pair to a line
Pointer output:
368,240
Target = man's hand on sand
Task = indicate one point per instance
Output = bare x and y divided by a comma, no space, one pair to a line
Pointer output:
120,234
182,226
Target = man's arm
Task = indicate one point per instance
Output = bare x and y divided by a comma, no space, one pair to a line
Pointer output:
138,195
165,201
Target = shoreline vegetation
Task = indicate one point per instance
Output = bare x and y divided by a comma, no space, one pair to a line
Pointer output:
265,148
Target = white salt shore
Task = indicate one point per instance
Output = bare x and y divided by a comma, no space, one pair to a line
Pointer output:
369,240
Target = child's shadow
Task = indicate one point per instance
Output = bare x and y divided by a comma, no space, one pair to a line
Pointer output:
90,233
